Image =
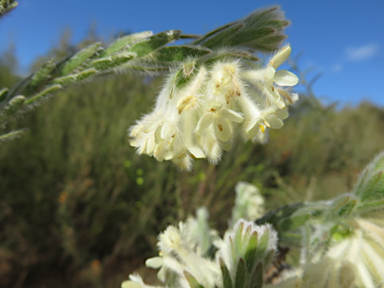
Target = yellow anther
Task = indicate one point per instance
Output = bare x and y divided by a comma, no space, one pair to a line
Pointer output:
186,103
262,128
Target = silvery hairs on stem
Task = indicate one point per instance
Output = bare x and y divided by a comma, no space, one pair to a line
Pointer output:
218,100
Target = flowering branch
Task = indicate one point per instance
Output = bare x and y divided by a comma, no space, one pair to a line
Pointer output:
147,53
198,112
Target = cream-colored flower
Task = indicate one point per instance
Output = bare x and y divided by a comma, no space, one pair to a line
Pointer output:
135,281
180,252
249,203
268,118
265,79
221,119
197,112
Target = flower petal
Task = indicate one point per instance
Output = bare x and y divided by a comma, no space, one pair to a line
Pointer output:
274,122
130,284
254,131
150,145
203,124
281,56
231,115
222,130
196,152
282,114
154,262
158,133
167,130
285,78
270,92
269,73
159,152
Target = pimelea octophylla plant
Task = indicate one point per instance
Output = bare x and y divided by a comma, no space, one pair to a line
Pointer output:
218,91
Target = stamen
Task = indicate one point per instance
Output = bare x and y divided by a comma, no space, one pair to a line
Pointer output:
285,95
186,103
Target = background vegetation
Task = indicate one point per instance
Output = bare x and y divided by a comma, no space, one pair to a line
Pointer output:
78,207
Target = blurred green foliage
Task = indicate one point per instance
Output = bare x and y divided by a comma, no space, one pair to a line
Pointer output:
77,203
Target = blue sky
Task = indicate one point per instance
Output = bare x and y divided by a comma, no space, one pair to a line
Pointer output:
343,40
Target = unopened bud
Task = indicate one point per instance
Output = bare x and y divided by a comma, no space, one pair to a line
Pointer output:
281,56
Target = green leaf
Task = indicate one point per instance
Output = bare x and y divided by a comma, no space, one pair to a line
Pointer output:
112,61
179,53
41,76
11,135
227,281
261,30
43,93
220,38
74,78
288,224
276,24
240,274
151,70
261,23
238,240
11,108
369,178
3,93
192,280
180,80
374,188
256,279
79,58
343,205
339,202
268,44
366,207
347,208
125,42
290,238
6,6
250,253
268,258
212,33
154,42
230,56
262,246
276,215
252,35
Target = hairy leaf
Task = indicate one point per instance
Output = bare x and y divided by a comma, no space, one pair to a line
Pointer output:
79,58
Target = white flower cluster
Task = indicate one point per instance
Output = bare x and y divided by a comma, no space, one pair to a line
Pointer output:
249,203
200,119
354,259
181,263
